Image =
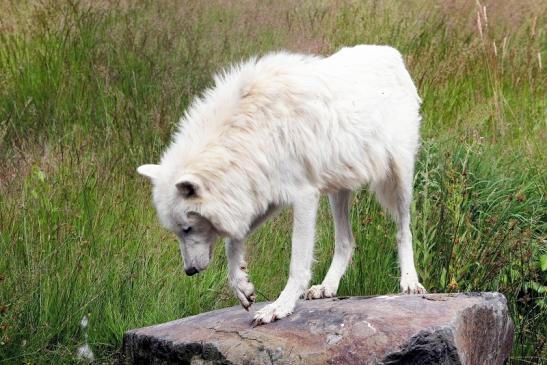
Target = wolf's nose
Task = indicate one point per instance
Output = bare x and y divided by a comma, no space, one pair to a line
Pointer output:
191,271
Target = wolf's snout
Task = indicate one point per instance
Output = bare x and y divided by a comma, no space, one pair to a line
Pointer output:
191,271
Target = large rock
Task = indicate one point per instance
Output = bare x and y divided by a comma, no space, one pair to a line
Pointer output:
470,328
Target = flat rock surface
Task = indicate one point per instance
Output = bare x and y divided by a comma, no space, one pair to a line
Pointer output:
470,328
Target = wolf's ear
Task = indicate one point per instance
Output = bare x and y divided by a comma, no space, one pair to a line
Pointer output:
190,186
150,171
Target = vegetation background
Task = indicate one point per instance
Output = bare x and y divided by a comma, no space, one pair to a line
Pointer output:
89,90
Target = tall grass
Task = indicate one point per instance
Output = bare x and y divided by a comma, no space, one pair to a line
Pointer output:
90,90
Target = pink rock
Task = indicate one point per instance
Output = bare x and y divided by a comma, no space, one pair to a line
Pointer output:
471,328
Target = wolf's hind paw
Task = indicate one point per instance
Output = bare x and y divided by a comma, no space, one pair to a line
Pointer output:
412,288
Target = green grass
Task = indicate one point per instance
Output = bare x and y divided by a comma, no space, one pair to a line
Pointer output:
90,92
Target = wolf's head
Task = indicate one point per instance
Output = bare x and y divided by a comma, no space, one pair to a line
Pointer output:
179,204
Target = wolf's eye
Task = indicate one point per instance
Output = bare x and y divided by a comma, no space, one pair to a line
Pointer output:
186,230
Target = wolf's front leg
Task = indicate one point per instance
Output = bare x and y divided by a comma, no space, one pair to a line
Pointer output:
237,276
304,214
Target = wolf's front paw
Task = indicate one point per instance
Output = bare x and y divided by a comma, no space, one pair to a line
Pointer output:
319,292
412,287
272,312
244,289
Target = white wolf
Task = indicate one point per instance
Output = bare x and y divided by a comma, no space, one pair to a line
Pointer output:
281,130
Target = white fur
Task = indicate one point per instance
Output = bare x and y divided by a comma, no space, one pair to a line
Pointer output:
282,129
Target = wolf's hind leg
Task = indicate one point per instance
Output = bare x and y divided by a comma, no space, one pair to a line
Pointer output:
394,194
343,250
